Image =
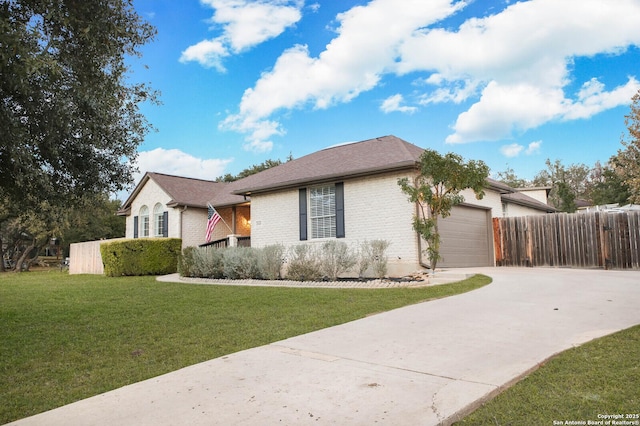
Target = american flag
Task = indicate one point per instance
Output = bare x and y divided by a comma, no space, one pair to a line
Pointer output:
213,220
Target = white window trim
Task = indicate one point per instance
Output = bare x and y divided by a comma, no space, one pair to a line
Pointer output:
322,225
144,222
158,220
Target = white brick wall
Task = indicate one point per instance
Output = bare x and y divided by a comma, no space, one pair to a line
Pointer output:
490,200
149,195
189,224
194,226
375,208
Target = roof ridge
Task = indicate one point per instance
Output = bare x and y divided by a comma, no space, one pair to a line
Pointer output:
184,177
342,144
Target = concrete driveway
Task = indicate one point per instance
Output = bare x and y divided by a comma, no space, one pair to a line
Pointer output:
425,364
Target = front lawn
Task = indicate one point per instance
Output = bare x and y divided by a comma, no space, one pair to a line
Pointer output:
67,337
581,385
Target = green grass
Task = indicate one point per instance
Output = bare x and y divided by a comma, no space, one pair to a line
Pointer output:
67,337
599,377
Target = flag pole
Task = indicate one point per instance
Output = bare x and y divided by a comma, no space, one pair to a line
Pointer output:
221,218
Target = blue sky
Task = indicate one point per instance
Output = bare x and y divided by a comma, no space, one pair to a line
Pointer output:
510,83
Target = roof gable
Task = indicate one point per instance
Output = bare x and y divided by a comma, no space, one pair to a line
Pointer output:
372,156
183,191
513,195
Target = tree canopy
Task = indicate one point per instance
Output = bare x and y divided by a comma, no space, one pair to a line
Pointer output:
437,187
69,118
627,160
568,184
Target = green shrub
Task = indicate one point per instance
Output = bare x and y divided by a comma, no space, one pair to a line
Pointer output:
208,263
186,262
365,258
336,259
379,257
270,260
372,257
200,262
148,256
240,263
304,263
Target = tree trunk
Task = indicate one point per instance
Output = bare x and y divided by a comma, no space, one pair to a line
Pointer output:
22,260
2,268
436,244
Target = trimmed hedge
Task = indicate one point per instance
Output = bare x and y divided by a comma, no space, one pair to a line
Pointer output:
141,256
304,262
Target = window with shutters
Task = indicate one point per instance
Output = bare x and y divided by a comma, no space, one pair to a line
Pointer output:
322,211
144,221
158,220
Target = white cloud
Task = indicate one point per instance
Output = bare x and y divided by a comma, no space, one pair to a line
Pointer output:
208,53
455,92
245,24
176,162
365,48
522,56
534,148
514,65
393,103
512,150
592,98
504,109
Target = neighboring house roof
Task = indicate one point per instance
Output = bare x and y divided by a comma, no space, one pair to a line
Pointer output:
372,156
609,208
512,195
183,191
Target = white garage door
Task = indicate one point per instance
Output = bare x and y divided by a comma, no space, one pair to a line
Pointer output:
465,238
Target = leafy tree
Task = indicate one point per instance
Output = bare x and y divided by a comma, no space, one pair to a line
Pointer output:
26,234
69,118
509,177
94,219
627,160
30,231
437,188
567,184
608,188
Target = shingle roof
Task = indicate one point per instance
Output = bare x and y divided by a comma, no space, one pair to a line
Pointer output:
372,156
368,157
183,191
512,195
525,200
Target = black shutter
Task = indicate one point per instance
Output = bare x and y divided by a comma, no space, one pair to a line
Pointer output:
165,224
302,198
340,210
135,227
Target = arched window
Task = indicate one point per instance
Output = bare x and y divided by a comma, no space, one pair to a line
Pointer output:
144,221
158,221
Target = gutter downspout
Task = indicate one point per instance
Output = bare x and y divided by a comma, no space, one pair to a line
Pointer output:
184,209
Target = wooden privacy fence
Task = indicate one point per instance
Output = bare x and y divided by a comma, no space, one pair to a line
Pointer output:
585,240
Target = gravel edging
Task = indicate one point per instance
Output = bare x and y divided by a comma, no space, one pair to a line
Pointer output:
302,284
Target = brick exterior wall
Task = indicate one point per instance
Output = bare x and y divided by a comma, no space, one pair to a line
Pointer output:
188,224
151,194
375,208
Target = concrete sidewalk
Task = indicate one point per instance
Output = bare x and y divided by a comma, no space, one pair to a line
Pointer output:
425,364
